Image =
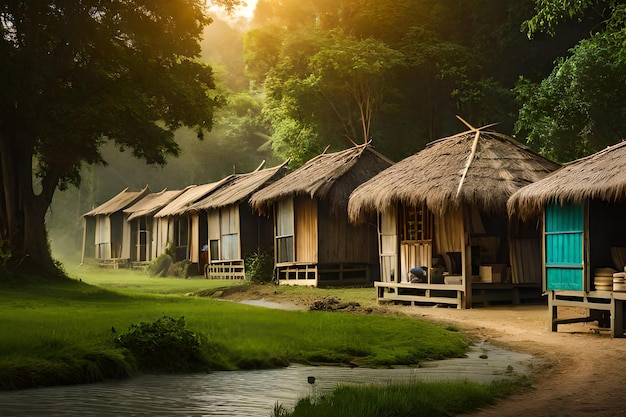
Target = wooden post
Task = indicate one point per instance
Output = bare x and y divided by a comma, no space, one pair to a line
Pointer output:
82,257
553,311
466,262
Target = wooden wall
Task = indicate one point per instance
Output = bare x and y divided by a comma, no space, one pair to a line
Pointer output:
342,242
306,230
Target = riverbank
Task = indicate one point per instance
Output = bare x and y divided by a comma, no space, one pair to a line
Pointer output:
581,371
70,332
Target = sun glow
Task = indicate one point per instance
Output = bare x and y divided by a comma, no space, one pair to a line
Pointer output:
246,11
241,14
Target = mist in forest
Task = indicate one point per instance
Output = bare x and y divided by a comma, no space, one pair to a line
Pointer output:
234,145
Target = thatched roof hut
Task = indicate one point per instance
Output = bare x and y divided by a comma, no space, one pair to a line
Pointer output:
107,228
328,177
477,167
191,195
122,200
151,203
240,188
595,177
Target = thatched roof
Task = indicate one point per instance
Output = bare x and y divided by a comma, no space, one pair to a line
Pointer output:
191,195
121,201
598,176
151,203
240,187
330,177
477,167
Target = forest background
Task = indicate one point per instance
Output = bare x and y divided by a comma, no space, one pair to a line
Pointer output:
299,76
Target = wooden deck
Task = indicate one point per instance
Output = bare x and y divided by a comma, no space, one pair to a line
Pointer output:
225,270
483,293
611,303
421,293
314,275
114,263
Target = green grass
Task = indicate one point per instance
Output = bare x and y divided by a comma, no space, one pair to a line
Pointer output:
414,399
59,332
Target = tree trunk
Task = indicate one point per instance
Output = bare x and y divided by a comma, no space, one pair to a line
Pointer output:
23,233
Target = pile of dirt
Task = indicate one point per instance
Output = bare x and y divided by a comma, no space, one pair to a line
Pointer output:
335,304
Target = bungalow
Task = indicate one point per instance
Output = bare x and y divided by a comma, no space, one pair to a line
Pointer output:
107,226
182,229
584,237
234,231
444,209
314,244
143,228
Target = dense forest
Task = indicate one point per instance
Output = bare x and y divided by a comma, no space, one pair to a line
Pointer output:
303,75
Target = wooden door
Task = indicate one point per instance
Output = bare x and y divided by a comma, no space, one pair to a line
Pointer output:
388,244
564,247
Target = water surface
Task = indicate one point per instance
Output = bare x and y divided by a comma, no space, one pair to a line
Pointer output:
243,393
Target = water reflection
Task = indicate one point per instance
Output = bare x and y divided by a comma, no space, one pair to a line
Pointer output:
241,393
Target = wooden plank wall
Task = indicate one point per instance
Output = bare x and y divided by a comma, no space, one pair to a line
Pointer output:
306,229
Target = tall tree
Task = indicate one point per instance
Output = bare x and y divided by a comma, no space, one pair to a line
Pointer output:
79,74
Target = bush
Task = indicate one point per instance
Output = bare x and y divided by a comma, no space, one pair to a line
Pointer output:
164,266
260,267
181,269
160,266
165,345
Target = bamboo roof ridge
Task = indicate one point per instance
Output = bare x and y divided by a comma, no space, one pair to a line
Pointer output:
151,203
328,176
598,176
121,201
191,195
241,187
477,167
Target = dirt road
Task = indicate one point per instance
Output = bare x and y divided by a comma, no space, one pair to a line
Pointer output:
582,373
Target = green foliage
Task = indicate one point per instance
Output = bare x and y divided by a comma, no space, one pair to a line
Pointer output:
260,267
164,266
161,265
550,13
580,108
165,345
124,73
5,252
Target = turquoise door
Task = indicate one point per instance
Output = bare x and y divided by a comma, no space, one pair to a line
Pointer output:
564,247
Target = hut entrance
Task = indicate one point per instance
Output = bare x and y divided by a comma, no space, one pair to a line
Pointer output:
416,239
141,236
564,247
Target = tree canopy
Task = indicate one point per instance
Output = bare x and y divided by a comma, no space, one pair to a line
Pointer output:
79,74
435,59
580,107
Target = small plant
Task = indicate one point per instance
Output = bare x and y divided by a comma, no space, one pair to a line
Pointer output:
5,251
165,345
181,269
160,266
260,267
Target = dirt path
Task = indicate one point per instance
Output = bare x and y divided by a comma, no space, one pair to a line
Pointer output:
582,373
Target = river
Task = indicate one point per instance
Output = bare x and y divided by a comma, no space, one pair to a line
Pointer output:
243,393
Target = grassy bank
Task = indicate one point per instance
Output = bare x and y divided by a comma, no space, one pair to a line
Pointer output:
415,399
62,332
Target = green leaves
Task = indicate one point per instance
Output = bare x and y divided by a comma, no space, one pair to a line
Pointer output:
579,109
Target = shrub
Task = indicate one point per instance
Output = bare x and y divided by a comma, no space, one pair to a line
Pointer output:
181,269
160,266
260,267
165,345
